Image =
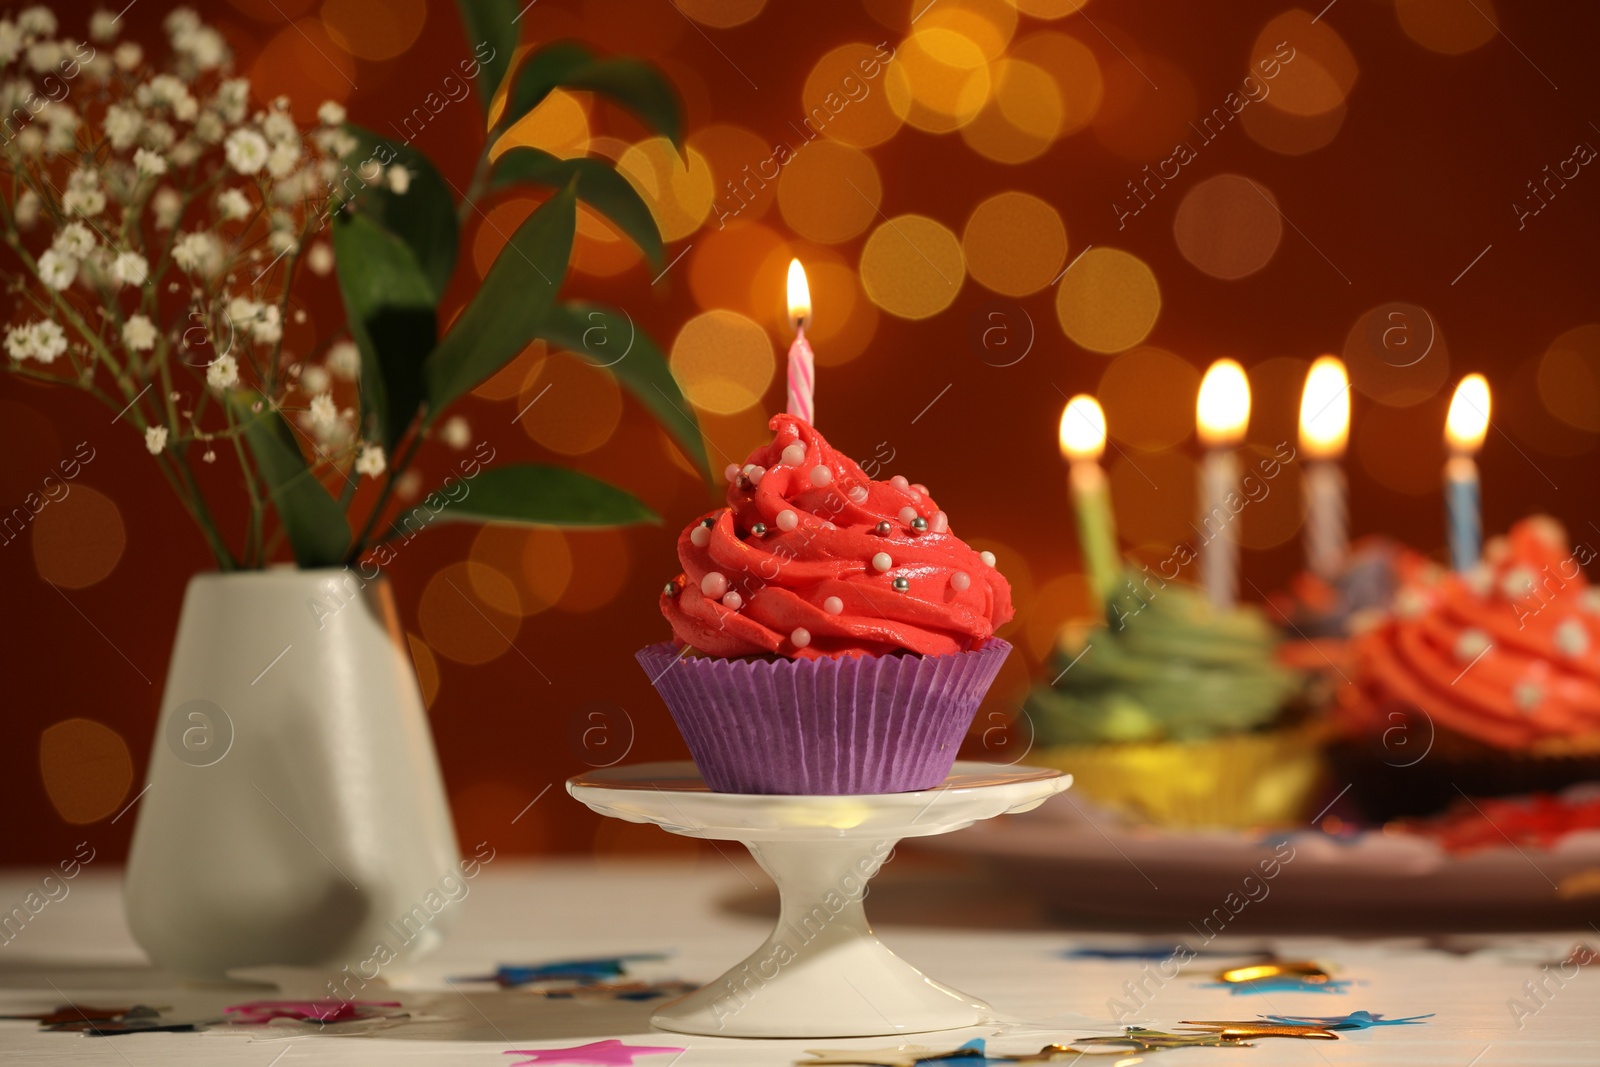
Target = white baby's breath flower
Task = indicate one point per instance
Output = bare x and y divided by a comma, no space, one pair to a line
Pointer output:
139,333
56,270
267,327
37,21
319,258
370,462
197,253
158,134
184,152
85,202
203,45
128,55
344,360
331,113
233,97
49,341
209,127
166,205
103,25
19,342
181,20
122,125
130,268
246,151
281,241
223,373
44,55
149,164
278,126
185,108
399,179
315,379
27,209
234,204
242,311
10,42
155,439
323,414
74,239
282,158
455,432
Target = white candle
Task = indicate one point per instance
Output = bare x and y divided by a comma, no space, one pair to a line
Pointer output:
1464,431
1324,431
1221,415
802,364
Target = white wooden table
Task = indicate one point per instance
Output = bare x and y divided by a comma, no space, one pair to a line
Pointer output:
77,949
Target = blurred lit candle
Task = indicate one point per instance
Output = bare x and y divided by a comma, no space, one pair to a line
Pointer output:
1464,429
802,365
1221,415
1324,430
1082,437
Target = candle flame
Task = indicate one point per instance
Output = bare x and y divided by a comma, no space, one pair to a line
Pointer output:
1083,428
1325,409
1223,410
1468,420
799,295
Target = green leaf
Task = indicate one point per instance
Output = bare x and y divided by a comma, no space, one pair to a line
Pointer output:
315,524
511,305
634,84
424,216
531,494
492,35
608,338
598,185
389,304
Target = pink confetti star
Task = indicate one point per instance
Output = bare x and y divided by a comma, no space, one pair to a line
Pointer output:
608,1053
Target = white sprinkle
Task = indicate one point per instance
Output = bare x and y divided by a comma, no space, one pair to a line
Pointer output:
787,520
959,581
899,482
1571,639
919,487
821,476
801,637
1590,601
907,514
794,455
733,601
858,494
731,471
1410,603
1527,696
1479,579
939,523
1517,582
987,557
829,526
714,584
882,562
1470,645
755,473
700,536
833,606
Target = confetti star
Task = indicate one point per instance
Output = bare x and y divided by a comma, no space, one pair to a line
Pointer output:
1235,1030
608,1053
582,970
1285,984
1356,1020
72,1014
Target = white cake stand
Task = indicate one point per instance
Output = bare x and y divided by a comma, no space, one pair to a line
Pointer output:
822,972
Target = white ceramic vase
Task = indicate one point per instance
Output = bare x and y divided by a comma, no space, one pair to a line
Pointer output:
294,812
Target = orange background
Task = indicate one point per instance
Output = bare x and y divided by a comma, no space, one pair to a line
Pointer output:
1414,129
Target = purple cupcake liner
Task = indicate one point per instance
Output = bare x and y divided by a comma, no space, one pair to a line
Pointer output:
823,727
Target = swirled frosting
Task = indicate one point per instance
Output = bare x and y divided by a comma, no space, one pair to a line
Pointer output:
811,558
1507,654
1165,665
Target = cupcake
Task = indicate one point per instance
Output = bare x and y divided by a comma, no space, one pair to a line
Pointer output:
1485,683
832,635
1317,614
1178,714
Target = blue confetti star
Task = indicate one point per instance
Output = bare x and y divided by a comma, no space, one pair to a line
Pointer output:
1356,1020
582,971
972,1054
1281,984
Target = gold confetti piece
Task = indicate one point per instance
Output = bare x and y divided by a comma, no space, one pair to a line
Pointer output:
1235,1030
1306,971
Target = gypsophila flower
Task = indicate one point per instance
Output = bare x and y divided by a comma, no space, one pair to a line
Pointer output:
130,268
122,125
234,204
56,270
180,20
166,204
282,158
209,127
370,462
139,333
233,97
267,327
88,201
103,25
128,56
37,21
185,152
223,373
19,342
155,439
74,240
10,41
331,113
247,151
203,45
158,134
319,258
344,360
44,55
455,432
49,341
278,127
399,179
315,379
148,163
323,414
197,253
242,311
27,209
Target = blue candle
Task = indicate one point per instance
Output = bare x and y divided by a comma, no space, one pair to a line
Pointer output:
1464,429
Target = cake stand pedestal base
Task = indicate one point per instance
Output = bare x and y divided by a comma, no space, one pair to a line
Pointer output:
822,972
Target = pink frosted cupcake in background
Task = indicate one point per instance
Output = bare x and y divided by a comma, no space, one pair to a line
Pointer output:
832,635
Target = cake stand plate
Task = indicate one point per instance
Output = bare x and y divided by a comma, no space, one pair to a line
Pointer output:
822,972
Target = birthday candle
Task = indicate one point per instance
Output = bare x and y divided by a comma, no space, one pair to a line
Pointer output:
1082,437
802,364
1464,430
1324,431
1221,415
